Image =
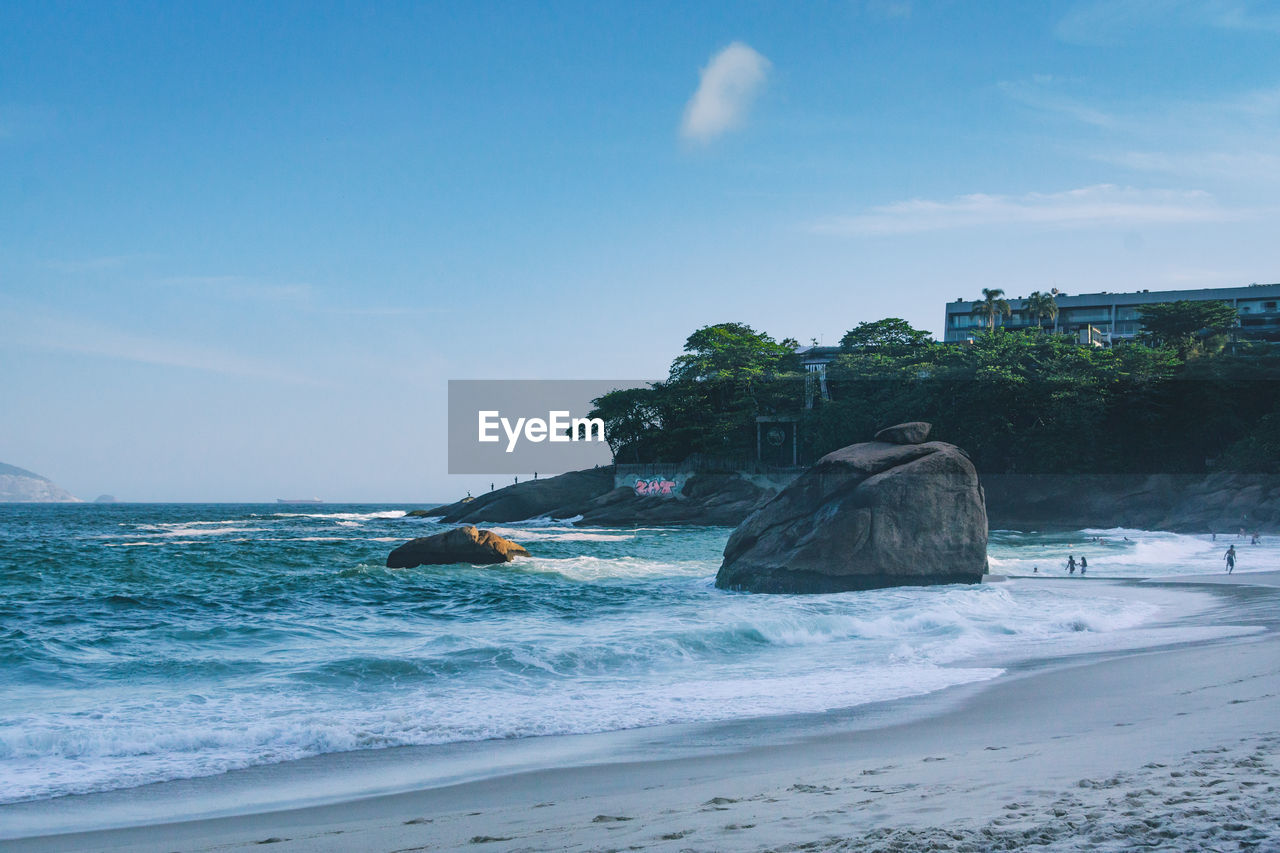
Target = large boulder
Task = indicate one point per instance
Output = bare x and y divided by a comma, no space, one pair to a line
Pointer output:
460,545
870,515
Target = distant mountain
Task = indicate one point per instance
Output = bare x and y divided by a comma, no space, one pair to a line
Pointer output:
19,484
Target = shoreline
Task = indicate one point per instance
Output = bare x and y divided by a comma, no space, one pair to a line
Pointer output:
650,780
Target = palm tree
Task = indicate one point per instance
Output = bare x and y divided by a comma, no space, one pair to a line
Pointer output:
1040,305
993,304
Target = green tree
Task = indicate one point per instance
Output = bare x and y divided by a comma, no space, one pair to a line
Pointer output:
993,305
889,335
632,418
731,351
1185,324
1042,306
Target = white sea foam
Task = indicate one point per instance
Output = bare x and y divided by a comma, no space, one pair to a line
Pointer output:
197,528
1123,552
344,516
560,534
599,630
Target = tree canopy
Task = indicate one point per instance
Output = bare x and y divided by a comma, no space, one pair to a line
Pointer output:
1180,324
889,335
1024,401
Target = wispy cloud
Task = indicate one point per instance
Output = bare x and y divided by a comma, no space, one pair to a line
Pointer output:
42,331
102,262
1240,166
1101,205
1098,22
241,287
1044,92
729,85
1233,138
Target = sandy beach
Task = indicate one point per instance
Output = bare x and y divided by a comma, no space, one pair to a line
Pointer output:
1171,748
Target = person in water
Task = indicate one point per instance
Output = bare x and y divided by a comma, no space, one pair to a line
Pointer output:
1071,564
1084,565
1230,557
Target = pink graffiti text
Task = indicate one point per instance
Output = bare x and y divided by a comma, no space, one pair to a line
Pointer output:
654,486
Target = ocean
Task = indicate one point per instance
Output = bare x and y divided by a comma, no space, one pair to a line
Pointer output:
148,642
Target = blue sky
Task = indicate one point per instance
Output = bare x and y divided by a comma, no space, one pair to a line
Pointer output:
244,246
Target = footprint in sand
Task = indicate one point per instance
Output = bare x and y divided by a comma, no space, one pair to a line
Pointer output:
812,789
719,801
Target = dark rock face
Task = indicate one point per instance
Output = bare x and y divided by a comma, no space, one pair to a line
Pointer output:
912,432
708,498
1185,503
460,545
866,516
716,499
564,496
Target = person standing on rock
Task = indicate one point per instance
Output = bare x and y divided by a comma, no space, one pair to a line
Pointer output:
1230,557
1071,564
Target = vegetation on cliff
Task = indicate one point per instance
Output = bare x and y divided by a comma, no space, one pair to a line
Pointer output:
1183,398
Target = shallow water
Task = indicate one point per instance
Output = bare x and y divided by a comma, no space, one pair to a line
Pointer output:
148,642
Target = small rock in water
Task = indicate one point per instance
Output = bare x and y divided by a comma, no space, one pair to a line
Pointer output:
461,545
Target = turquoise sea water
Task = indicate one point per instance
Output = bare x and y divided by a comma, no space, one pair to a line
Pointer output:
140,643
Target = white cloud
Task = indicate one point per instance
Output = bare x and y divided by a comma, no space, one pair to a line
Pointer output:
1104,204
729,85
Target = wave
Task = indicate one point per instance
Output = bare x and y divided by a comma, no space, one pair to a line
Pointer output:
1124,552
301,643
344,516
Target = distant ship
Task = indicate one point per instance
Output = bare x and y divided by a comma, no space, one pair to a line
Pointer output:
299,501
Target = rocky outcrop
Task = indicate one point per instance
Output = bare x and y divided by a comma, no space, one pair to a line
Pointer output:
20,485
866,516
1182,503
713,499
707,499
912,432
460,545
564,496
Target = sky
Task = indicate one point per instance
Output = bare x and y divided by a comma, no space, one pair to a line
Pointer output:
243,247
